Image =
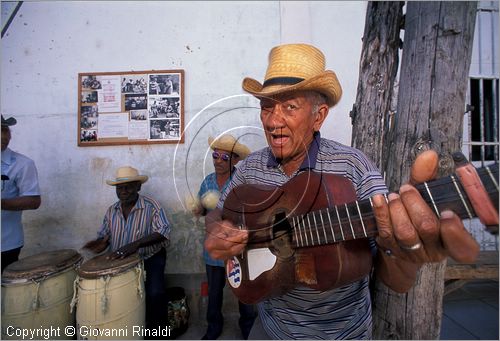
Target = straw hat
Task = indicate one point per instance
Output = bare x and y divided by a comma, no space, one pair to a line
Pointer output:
228,143
296,67
127,174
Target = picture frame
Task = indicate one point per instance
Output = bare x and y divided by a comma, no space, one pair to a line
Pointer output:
130,107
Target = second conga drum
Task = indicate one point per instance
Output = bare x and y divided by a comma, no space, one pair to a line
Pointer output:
110,298
36,296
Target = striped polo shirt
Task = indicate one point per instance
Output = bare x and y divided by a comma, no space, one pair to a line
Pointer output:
304,313
145,218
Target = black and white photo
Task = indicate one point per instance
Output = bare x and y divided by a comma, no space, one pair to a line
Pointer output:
138,115
88,135
164,107
135,102
164,84
164,129
91,82
89,97
134,84
88,111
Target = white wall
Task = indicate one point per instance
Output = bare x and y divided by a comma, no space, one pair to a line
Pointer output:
485,52
216,43
336,29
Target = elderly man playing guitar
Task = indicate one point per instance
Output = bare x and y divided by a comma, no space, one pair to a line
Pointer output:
320,211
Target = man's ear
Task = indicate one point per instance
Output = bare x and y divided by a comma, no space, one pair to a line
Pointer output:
320,116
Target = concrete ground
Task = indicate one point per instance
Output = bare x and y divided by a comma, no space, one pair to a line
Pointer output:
469,313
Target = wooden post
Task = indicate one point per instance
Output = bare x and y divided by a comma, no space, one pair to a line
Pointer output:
432,87
430,107
431,103
378,67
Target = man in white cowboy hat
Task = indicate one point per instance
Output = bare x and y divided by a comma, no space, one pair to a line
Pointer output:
20,191
227,152
295,99
137,223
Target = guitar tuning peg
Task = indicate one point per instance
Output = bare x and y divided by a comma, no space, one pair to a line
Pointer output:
459,159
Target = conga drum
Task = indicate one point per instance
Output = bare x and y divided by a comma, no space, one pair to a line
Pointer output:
111,299
36,295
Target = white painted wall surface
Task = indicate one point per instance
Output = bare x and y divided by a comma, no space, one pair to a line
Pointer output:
485,52
216,43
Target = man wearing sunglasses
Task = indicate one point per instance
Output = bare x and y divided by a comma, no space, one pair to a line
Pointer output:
227,152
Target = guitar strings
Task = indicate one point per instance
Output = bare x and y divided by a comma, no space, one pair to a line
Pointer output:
441,198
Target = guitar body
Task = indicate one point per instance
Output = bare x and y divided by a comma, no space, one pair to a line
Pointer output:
272,264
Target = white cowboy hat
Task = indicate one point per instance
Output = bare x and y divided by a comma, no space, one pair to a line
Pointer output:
294,67
127,174
228,143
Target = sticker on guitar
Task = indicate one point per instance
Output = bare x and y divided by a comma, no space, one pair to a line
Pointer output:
233,271
258,261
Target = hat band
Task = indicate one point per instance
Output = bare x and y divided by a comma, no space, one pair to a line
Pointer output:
124,179
282,81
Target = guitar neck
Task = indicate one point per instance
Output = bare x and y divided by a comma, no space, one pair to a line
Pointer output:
356,219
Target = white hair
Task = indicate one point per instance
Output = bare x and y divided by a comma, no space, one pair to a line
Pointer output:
316,99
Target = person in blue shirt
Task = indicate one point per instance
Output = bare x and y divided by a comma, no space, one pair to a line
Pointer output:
20,191
227,152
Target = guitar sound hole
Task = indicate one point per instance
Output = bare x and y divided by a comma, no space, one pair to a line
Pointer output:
281,244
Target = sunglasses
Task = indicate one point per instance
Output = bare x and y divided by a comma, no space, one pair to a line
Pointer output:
217,155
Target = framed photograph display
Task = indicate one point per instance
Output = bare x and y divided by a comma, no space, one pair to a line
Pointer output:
131,107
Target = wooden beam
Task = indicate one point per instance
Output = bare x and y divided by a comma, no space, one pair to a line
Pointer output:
486,267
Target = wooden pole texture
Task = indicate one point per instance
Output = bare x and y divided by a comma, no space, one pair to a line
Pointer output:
435,64
377,72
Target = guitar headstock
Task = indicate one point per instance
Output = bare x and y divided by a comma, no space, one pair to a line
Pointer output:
481,187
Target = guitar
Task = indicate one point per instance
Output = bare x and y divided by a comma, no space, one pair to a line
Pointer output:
312,231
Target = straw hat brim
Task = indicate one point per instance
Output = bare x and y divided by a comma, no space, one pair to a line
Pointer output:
141,178
325,83
229,146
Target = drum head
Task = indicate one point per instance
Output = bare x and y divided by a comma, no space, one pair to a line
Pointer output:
101,266
40,265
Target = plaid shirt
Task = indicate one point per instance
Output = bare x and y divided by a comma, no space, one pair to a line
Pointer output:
145,218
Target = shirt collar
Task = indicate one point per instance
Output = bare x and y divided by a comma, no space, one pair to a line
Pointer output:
138,204
7,156
310,160
214,179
